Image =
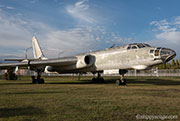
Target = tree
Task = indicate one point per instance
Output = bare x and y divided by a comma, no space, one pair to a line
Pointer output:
177,64
173,64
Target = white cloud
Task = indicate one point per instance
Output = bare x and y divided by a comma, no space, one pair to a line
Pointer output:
163,25
177,20
16,33
7,7
12,31
116,38
71,41
167,33
33,1
82,5
169,37
81,12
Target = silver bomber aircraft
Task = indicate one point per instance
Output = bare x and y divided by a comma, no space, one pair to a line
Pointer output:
137,56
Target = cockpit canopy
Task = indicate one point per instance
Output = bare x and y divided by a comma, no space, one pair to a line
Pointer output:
137,45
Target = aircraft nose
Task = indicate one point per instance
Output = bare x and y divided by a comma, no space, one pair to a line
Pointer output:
167,54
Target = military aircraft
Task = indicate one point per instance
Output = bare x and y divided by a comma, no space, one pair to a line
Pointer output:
137,56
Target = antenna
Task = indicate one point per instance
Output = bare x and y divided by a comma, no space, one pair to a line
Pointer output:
26,56
112,45
60,53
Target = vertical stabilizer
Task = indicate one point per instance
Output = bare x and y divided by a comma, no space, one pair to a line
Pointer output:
38,54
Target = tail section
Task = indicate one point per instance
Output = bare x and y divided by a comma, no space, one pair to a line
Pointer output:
38,54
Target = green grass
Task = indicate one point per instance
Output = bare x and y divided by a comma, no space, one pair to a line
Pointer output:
65,98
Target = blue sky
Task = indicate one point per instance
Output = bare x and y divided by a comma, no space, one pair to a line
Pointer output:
77,26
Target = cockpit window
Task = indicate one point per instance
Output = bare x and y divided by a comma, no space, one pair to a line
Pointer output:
140,45
147,45
151,51
129,47
134,47
156,52
137,45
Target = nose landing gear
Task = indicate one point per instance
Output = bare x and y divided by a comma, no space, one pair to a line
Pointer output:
121,81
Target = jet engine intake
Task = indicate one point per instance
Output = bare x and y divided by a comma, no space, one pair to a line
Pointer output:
85,61
49,69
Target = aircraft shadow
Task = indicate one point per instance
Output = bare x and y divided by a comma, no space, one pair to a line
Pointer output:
107,81
136,81
156,81
129,81
21,111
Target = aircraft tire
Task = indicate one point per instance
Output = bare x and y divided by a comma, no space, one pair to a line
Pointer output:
123,82
12,76
94,79
34,81
15,77
118,82
41,81
101,80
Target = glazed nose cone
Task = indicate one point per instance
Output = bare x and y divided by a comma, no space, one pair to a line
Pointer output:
167,54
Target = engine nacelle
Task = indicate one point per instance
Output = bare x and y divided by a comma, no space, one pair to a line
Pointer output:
85,61
49,69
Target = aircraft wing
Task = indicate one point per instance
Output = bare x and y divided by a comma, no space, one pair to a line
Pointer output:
14,59
13,65
39,63
19,59
55,62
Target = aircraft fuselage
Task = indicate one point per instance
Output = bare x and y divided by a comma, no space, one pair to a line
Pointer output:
122,57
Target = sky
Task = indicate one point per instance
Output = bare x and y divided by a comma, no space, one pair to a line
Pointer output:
69,27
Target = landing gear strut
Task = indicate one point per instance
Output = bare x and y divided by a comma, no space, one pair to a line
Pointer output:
99,78
121,81
38,80
10,75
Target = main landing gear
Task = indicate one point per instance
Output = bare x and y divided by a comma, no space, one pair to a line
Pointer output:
10,75
99,78
38,80
121,81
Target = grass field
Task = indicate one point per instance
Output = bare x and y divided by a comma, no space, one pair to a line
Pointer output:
64,98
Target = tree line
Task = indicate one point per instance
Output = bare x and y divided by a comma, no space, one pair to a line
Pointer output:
173,64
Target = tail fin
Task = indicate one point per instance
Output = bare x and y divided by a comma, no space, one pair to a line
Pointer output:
38,54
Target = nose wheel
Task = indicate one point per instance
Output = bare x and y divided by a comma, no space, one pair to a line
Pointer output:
121,81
